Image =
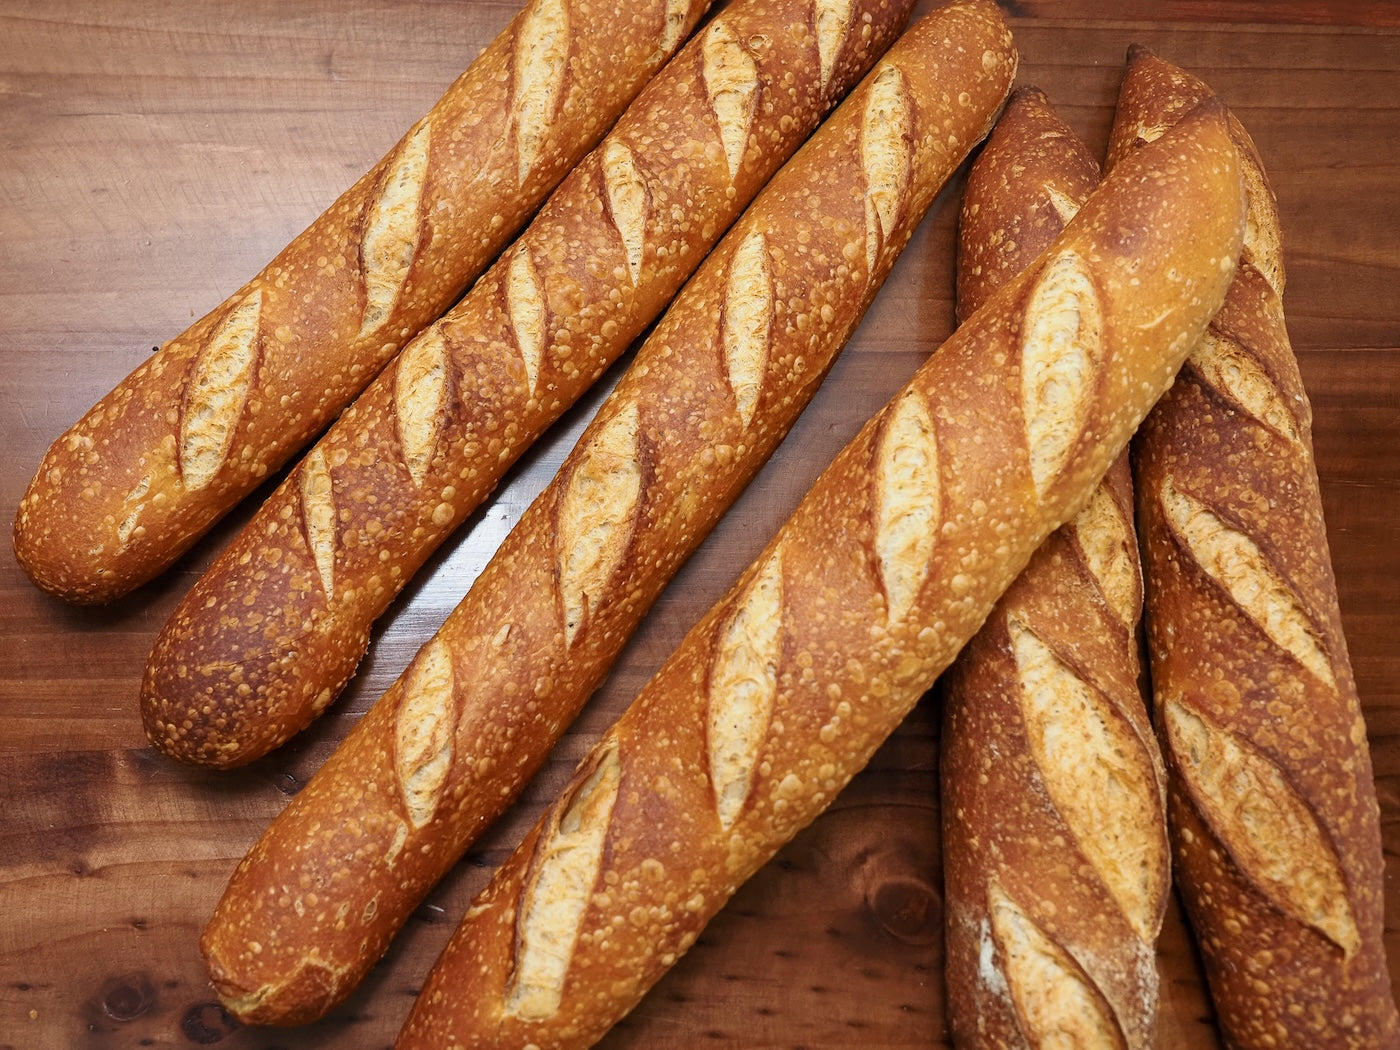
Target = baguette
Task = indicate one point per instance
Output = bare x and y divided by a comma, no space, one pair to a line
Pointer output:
1274,819
1055,849
276,627
456,738
786,687
202,422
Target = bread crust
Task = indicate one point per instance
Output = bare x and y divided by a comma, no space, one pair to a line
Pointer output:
1273,811
290,613
1022,839
215,411
452,743
843,669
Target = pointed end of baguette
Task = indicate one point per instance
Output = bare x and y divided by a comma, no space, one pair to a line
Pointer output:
1140,53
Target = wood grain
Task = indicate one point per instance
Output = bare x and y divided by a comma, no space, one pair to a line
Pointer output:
157,156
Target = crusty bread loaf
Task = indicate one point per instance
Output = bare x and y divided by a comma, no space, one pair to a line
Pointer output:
1055,850
275,628
1030,178
889,565
199,424
709,395
1273,810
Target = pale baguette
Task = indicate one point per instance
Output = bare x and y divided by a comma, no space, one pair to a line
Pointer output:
273,631
1273,811
786,687
709,395
205,420
1055,852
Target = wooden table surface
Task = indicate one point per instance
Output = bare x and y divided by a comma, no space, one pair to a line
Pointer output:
157,155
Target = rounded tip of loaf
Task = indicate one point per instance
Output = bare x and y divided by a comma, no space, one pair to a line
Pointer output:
176,726
53,564
179,730
1030,145
1139,53
221,690
1026,95
307,995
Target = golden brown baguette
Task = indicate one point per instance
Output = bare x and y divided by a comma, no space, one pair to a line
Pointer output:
1273,812
1031,177
1055,852
199,424
709,396
897,554
275,628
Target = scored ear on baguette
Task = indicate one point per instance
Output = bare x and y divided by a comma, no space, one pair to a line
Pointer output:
1272,803
1055,847
706,399
856,622
217,410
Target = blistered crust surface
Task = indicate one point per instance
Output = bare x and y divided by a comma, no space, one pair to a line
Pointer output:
845,676
1277,846
687,419
266,371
